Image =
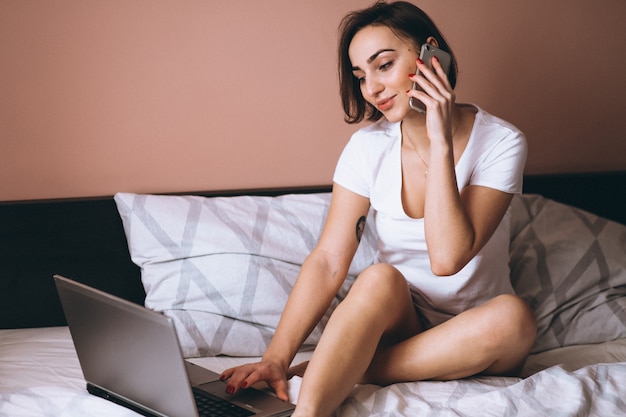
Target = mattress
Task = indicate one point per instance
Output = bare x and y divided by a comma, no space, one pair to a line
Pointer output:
40,376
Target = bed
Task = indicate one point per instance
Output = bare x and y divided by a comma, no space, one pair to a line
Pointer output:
221,264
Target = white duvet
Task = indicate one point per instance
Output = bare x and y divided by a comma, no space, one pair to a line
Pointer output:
40,376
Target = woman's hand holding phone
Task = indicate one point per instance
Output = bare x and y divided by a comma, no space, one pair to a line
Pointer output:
432,91
427,53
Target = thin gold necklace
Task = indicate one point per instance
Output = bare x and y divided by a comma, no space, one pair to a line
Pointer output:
421,159
420,156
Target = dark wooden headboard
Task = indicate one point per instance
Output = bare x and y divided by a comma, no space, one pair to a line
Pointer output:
83,239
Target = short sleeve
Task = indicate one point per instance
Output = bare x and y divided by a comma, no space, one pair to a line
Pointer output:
351,169
502,167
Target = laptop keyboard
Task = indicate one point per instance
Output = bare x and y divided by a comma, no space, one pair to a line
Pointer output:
209,406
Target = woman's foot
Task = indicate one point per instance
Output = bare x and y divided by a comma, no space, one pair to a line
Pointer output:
297,370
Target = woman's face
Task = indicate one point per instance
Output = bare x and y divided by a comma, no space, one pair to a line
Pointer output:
382,62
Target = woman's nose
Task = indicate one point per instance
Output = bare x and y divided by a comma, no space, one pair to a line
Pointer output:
373,86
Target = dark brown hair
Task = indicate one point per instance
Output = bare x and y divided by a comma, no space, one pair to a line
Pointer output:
404,19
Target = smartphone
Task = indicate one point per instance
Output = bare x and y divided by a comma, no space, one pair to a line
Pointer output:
426,55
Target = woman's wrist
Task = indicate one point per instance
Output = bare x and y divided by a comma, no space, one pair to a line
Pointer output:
440,150
279,360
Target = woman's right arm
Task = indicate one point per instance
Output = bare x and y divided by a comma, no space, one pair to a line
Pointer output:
321,276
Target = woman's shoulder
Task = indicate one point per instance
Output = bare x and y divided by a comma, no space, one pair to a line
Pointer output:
372,144
488,121
491,133
380,128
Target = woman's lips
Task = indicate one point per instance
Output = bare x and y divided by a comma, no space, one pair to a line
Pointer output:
385,104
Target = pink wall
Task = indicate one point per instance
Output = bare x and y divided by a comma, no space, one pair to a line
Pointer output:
157,96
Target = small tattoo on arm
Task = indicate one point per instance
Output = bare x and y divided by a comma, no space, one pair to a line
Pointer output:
360,228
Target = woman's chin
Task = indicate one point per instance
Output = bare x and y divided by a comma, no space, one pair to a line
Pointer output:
396,109
397,115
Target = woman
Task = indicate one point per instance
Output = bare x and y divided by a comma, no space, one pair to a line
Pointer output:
438,303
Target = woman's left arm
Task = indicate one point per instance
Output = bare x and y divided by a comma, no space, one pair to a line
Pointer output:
457,225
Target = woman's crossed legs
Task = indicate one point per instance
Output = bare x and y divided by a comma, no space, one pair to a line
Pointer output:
374,336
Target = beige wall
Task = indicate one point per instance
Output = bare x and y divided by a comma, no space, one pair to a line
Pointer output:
99,96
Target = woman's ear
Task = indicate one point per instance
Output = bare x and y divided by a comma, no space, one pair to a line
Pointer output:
432,41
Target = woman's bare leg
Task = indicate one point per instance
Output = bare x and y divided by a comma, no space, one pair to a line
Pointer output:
494,339
377,307
373,337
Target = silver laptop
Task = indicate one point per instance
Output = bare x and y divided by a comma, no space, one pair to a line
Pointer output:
131,355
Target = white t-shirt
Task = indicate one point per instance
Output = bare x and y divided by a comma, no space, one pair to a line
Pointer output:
494,157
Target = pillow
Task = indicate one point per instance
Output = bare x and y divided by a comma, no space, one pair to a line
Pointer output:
570,266
223,267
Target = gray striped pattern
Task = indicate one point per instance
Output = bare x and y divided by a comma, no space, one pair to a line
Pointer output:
223,268
570,265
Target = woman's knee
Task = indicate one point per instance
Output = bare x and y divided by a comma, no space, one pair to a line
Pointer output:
513,320
512,329
381,288
380,281
383,291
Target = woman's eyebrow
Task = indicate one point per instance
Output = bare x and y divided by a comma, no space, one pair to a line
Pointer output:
373,57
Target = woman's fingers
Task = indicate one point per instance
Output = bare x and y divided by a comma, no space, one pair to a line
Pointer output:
247,375
280,388
227,374
240,377
438,97
442,75
434,81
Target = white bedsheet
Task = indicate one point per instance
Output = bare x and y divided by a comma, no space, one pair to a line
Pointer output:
40,376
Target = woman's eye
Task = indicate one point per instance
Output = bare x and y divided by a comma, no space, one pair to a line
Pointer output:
386,65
